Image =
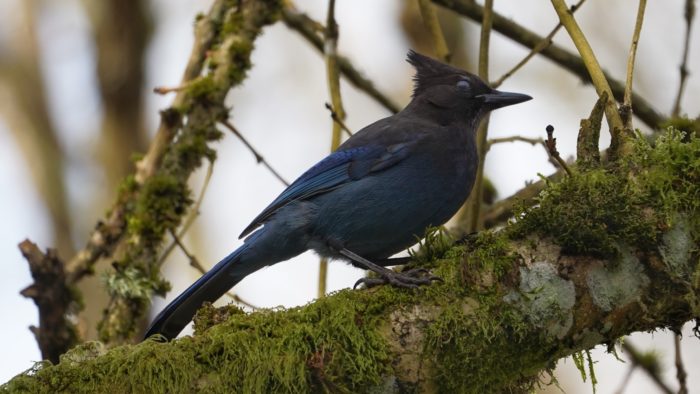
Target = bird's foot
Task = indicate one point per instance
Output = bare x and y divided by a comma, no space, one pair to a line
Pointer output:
408,279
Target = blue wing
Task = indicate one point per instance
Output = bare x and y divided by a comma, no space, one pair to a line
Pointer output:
336,169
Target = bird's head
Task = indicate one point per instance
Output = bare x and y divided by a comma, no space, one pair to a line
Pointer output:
449,92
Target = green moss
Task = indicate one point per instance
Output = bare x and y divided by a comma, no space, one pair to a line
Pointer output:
588,214
630,203
334,344
160,206
203,88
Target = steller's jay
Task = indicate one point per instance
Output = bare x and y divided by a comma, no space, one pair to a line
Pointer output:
371,198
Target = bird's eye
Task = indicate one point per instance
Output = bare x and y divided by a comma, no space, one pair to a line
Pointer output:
463,84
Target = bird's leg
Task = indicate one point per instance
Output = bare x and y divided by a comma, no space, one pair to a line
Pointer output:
393,261
410,279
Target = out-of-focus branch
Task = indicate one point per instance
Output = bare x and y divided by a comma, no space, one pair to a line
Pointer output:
122,30
689,15
648,363
104,239
308,28
23,103
681,374
545,43
432,23
54,299
566,59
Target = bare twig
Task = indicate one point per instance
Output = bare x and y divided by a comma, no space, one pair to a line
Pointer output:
681,375
545,43
648,363
626,379
689,15
162,90
551,144
432,23
566,59
474,203
337,120
514,138
194,262
308,28
627,101
258,157
194,213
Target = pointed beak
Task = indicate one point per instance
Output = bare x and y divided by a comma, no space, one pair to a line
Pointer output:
497,99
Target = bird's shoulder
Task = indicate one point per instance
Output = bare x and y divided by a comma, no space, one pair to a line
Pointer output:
389,131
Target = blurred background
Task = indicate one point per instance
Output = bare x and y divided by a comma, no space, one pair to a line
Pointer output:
76,103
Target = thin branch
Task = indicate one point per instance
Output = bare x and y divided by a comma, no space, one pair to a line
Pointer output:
514,138
551,144
542,45
308,28
648,363
566,59
432,23
163,90
474,207
627,101
626,379
689,15
194,213
337,120
330,49
599,79
194,263
258,157
681,375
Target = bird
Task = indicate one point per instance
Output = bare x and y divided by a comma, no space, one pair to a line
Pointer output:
371,198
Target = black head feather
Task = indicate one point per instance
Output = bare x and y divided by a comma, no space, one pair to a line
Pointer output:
430,72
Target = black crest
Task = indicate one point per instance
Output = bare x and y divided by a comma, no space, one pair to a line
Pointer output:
430,72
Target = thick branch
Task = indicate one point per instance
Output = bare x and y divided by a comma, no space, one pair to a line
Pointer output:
55,334
598,258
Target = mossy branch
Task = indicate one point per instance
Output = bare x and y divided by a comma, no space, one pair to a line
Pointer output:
603,255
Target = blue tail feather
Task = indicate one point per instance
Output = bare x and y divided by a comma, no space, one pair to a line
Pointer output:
210,287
